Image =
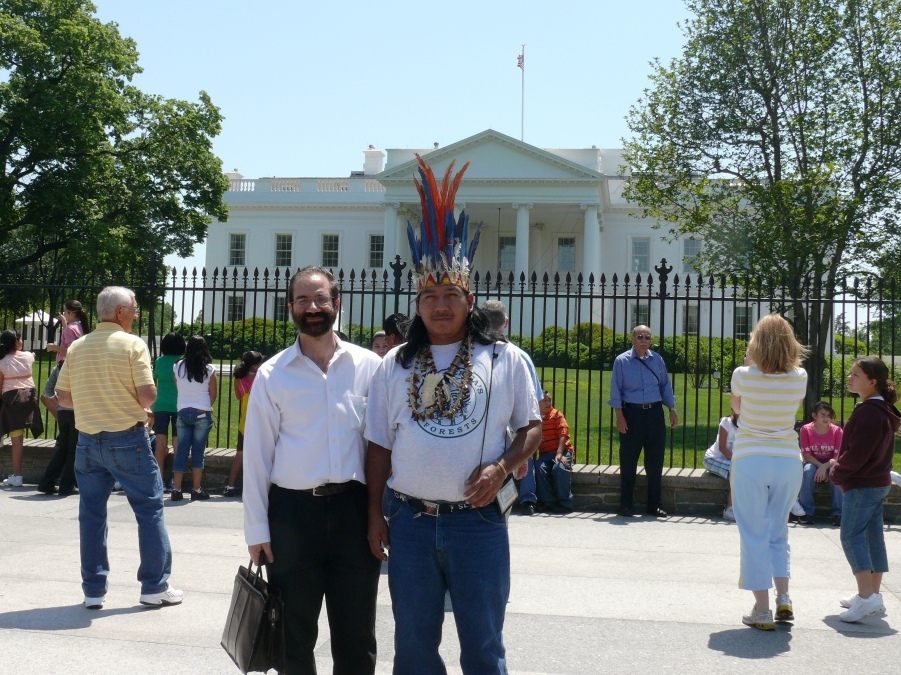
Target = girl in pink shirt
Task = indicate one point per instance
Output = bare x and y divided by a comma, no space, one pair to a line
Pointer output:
820,441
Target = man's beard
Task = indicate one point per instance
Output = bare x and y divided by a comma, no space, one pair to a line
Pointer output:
325,320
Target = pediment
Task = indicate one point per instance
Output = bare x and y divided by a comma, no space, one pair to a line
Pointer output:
495,158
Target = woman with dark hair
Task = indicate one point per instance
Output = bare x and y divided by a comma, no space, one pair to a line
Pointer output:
196,382
165,409
73,323
862,471
242,380
19,409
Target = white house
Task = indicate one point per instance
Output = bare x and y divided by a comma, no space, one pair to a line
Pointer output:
544,211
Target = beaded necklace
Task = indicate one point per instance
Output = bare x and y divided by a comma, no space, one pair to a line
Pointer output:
436,391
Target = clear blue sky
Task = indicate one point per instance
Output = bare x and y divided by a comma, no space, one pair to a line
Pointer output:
305,87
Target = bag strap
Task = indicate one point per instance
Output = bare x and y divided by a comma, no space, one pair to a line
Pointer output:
656,376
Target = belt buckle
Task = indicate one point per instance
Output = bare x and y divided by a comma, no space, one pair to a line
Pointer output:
429,508
317,493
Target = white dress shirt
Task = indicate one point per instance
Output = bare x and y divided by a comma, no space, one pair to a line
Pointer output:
304,427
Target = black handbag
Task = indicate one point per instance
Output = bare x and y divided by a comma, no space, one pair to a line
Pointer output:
254,634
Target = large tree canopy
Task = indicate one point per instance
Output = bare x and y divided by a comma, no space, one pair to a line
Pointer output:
776,137
92,170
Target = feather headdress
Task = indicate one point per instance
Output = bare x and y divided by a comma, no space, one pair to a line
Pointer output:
442,253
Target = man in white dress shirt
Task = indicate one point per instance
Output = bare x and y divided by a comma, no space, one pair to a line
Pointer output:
304,493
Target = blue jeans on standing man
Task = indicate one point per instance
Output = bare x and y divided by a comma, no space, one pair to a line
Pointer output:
101,460
805,496
466,553
193,433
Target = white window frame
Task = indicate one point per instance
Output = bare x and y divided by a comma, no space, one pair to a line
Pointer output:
640,314
336,252
373,239
635,259
560,257
280,310
691,313
690,249
503,242
234,304
232,249
748,311
280,251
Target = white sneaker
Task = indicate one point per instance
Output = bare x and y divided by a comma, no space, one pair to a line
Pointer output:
94,603
760,620
862,608
784,610
797,510
728,514
896,478
168,597
13,481
848,601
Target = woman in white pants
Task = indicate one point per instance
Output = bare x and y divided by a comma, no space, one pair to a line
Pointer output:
766,464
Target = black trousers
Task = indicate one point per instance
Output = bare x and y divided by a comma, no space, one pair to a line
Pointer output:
62,464
321,550
646,430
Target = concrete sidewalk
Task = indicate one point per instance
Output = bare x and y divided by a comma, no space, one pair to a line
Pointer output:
591,593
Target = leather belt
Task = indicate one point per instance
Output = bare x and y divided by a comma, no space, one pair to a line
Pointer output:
431,508
643,406
330,489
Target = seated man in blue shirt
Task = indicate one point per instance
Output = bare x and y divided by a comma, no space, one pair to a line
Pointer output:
639,389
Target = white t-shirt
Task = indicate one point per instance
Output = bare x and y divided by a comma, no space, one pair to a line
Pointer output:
191,393
713,452
432,459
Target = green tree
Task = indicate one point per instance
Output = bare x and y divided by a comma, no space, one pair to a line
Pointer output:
93,171
775,137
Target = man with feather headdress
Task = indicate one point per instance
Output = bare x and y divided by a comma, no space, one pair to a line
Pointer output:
436,420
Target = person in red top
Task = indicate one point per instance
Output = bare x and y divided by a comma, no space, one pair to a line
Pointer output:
862,472
820,441
554,466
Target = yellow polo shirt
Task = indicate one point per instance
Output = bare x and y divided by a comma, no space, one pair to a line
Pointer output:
102,371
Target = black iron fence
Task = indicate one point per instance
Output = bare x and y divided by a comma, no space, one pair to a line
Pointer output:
573,328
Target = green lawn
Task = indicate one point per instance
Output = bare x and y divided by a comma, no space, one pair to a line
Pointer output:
582,397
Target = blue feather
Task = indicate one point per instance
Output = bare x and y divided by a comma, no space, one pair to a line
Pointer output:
474,243
464,219
432,215
449,236
423,240
414,248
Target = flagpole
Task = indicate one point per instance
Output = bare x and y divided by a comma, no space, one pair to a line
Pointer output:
522,104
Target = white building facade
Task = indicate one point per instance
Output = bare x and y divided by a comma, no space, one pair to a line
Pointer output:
545,211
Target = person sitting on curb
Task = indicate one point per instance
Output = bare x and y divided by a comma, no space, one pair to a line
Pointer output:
820,442
718,458
554,466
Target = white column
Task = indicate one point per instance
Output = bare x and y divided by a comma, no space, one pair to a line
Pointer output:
591,243
391,242
522,239
400,226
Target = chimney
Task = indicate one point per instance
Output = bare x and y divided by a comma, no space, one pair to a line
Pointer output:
373,161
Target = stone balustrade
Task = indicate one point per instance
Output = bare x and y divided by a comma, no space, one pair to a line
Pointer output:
305,185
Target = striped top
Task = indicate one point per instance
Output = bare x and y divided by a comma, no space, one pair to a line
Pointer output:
102,372
769,402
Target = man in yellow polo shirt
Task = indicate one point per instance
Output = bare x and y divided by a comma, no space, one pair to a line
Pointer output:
108,381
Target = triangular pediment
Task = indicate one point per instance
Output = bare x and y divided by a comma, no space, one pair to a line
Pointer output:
496,158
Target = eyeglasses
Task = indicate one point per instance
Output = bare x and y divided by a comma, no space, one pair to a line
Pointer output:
304,301
642,337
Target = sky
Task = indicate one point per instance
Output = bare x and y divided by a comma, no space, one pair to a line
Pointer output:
305,87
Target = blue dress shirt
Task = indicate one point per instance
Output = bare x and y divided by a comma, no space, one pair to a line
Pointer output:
632,382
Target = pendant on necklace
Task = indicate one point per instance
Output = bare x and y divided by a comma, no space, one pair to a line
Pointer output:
429,388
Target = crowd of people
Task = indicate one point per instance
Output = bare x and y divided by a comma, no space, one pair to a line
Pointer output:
418,448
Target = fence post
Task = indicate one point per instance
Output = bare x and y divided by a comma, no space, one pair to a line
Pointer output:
398,268
663,271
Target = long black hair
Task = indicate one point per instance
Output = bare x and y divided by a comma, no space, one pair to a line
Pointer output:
8,340
78,308
476,327
248,359
197,358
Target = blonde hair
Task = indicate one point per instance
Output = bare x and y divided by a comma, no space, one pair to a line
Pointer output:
773,347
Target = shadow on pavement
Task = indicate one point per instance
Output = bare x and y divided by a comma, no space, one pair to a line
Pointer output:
750,643
66,617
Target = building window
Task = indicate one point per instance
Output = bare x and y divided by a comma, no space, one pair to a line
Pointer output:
691,320
330,250
641,254
237,249
234,310
690,250
741,323
376,251
506,254
280,311
640,314
284,245
566,254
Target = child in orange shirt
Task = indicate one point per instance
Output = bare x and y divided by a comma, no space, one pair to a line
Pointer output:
553,468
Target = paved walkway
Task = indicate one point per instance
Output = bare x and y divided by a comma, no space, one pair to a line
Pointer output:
592,593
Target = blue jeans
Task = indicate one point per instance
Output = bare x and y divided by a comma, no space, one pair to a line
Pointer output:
527,485
554,480
466,553
805,496
124,456
193,433
863,539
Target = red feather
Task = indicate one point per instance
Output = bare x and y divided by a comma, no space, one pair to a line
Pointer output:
452,193
425,208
